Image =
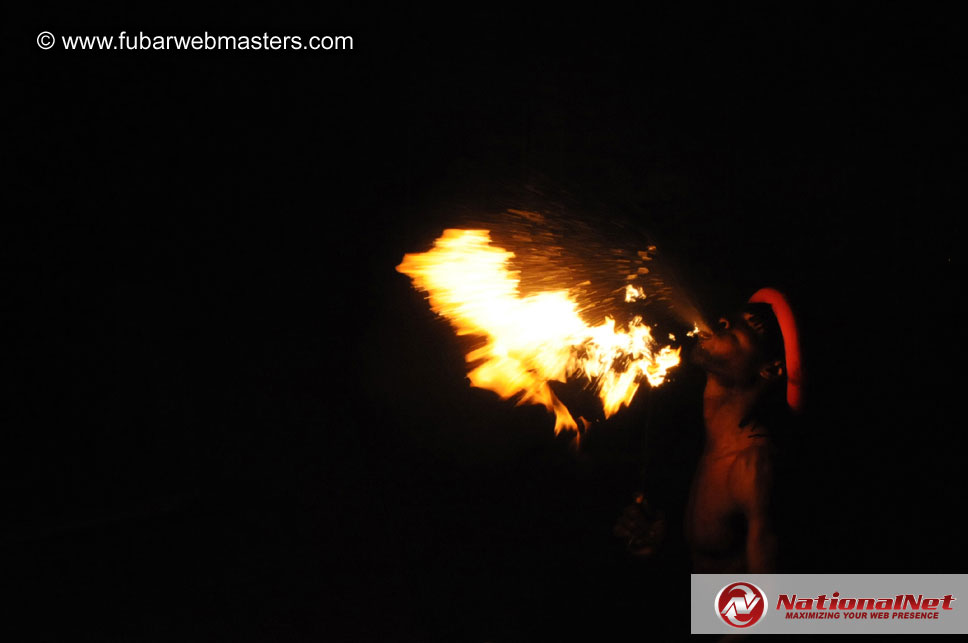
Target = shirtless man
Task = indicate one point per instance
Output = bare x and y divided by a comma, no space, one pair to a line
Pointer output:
752,365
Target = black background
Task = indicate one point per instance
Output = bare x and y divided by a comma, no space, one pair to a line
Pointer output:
231,418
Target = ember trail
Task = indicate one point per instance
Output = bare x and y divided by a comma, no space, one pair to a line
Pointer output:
532,340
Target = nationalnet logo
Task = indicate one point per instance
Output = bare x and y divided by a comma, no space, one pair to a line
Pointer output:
899,606
828,603
744,604
741,604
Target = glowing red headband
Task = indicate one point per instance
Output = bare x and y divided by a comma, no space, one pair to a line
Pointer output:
791,342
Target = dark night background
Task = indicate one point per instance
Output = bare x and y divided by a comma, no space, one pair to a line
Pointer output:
232,419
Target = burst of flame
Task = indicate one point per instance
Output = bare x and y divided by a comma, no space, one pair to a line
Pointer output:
532,340
632,293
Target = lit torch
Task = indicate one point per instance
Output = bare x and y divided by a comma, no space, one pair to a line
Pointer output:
532,340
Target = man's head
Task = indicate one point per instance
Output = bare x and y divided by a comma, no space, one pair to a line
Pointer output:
746,349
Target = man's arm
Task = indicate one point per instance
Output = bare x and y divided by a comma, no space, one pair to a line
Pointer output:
751,482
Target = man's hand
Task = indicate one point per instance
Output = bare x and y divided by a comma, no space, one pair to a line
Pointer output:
641,528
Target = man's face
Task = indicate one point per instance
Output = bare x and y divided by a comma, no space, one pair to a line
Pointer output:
733,351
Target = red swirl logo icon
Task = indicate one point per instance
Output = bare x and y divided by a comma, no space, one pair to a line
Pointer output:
741,604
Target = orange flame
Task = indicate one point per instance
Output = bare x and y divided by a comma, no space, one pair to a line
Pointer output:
531,340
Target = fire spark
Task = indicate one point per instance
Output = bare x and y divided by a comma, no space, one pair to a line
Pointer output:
532,340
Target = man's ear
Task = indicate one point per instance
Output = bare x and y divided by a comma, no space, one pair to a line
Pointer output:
773,370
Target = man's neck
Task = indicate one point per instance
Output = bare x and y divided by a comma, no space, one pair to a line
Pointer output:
725,408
